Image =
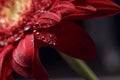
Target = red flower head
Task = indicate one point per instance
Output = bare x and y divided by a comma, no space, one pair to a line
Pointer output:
27,25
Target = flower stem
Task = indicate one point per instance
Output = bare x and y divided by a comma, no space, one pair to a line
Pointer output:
80,67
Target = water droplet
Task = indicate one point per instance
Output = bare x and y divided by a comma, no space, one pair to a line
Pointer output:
34,31
45,40
3,43
39,11
50,21
47,6
45,26
50,35
27,28
17,39
32,40
42,37
37,33
54,43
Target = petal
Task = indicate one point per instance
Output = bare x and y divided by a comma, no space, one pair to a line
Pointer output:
23,56
10,78
24,59
1,2
82,8
49,18
23,71
67,8
24,53
103,8
74,41
63,7
39,72
1,49
5,62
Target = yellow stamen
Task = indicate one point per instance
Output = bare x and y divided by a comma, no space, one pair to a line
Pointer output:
13,11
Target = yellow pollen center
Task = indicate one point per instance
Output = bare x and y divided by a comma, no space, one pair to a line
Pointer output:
13,11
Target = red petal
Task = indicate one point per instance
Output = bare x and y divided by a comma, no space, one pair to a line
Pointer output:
73,41
48,18
1,2
39,72
24,59
1,49
24,53
103,8
23,71
5,62
63,7
23,56
10,78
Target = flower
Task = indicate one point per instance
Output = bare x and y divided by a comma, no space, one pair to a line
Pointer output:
27,25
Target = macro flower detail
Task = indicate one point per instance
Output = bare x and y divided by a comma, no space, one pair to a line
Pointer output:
28,25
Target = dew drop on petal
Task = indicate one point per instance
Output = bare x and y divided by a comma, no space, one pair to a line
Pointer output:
26,28
50,35
37,33
34,31
39,11
54,43
17,39
3,43
42,37
47,6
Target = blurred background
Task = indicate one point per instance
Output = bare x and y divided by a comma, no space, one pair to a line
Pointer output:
106,34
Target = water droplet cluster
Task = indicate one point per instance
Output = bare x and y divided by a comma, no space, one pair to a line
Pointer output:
46,37
38,21
31,26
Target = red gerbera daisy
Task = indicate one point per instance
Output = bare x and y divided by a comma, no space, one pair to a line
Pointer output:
27,25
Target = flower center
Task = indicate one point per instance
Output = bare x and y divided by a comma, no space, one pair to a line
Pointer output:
21,17
13,11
